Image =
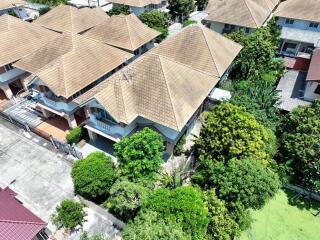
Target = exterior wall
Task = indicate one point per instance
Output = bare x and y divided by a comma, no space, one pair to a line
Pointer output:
217,27
298,48
309,94
221,28
298,24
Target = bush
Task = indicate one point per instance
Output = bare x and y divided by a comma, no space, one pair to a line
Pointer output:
69,214
178,148
85,236
44,10
184,205
93,176
76,134
164,32
126,199
118,9
188,22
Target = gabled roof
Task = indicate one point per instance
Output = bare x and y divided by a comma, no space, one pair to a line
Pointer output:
136,3
126,32
200,48
16,221
19,38
65,18
314,68
245,13
8,4
71,62
298,9
156,88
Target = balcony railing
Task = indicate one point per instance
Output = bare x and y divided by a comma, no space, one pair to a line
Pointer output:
112,129
57,105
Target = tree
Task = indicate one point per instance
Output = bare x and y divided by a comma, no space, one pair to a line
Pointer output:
69,214
201,4
150,226
300,145
126,199
157,20
181,8
50,2
140,156
184,205
44,10
221,225
85,236
231,132
241,184
118,9
188,22
93,176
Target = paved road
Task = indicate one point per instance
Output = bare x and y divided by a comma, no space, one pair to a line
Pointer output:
39,176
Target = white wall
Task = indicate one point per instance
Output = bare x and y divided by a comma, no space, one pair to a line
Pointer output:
299,24
309,94
218,27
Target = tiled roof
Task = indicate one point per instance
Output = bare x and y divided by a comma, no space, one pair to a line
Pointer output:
19,38
156,88
71,62
200,48
16,221
298,9
7,4
245,13
314,69
65,18
126,32
136,3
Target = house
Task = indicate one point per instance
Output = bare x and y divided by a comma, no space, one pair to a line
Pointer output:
9,5
17,39
65,18
141,6
126,32
65,68
312,87
300,32
164,89
225,16
16,221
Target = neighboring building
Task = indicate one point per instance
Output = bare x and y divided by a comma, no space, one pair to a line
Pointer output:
140,6
164,89
125,32
65,68
10,5
300,27
17,39
65,18
225,16
16,221
312,88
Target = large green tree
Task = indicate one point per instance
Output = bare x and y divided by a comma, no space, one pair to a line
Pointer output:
118,9
231,132
300,145
181,8
151,226
50,2
201,4
126,199
140,156
93,176
184,205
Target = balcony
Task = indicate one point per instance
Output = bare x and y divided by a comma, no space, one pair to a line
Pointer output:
56,105
11,75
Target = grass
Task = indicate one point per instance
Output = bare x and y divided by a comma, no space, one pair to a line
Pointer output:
285,218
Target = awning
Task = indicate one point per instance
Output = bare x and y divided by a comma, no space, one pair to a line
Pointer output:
299,35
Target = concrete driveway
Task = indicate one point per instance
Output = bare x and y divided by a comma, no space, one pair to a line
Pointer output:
39,176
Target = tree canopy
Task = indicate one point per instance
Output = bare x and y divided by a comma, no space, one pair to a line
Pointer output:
180,8
93,176
126,199
50,2
300,145
140,156
231,132
184,205
150,225
201,4
69,214
118,9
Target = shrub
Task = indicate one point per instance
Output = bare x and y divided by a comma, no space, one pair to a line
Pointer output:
76,134
118,9
178,148
93,176
69,214
188,22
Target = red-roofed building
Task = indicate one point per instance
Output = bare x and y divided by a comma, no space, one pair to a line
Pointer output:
312,90
16,221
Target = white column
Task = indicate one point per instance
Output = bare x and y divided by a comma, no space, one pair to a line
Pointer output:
71,121
45,113
87,112
92,135
7,91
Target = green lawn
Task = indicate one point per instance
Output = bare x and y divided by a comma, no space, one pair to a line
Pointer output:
281,220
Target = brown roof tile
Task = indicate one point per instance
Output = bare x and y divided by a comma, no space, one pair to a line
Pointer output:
314,68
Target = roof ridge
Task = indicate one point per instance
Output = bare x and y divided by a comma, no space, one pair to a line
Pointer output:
245,2
22,222
122,100
127,24
71,19
169,93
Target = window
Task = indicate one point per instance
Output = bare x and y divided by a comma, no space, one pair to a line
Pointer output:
313,25
247,30
317,91
232,27
289,21
227,26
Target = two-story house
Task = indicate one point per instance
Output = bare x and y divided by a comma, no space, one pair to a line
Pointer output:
17,39
225,16
65,68
141,6
299,21
164,89
126,32
66,18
